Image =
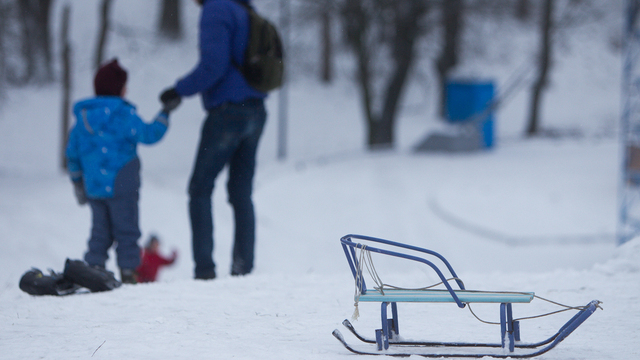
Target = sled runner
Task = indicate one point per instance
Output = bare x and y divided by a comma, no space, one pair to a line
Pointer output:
387,338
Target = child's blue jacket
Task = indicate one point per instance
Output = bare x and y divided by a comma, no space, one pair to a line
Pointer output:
104,139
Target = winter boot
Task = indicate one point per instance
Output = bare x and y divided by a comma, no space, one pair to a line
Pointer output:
209,275
128,276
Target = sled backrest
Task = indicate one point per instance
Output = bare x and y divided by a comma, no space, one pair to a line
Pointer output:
399,250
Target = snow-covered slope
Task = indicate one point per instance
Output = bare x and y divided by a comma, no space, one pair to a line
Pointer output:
533,215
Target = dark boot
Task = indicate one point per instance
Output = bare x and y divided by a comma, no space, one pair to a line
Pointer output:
128,276
210,275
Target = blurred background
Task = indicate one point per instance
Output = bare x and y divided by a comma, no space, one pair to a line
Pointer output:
399,55
410,76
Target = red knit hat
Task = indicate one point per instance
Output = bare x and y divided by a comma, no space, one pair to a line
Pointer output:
110,79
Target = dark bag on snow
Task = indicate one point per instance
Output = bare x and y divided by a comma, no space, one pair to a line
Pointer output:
93,278
34,282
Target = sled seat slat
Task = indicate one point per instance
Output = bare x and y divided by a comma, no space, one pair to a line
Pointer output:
443,296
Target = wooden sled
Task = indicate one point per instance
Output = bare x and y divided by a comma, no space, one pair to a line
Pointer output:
509,344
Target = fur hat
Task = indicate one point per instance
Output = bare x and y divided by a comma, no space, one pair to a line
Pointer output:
110,79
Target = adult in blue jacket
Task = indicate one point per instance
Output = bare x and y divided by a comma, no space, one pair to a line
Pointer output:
104,167
230,133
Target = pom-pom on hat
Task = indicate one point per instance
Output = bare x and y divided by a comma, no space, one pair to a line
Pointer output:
110,79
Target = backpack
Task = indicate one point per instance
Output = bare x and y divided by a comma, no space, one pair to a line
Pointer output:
263,66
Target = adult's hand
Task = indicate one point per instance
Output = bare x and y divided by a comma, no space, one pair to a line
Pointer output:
170,100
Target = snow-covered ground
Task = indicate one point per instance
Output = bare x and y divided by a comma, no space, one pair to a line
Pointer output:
536,215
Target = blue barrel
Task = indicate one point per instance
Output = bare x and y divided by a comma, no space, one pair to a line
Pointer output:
466,99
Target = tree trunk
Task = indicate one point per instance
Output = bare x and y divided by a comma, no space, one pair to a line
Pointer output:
451,25
380,134
523,10
4,18
36,48
66,84
406,16
356,29
544,63
105,9
327,45
170,25
407,19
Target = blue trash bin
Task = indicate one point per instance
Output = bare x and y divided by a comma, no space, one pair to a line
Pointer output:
466,99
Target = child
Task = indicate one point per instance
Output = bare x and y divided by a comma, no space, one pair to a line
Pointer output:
105,169
152,260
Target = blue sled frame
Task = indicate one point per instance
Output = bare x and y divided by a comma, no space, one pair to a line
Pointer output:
388,334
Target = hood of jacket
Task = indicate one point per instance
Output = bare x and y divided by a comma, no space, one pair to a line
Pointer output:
96,113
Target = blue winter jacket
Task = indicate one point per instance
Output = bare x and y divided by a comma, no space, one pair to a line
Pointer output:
224,34
104,140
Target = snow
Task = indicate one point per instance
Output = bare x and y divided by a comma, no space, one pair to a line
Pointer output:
530,215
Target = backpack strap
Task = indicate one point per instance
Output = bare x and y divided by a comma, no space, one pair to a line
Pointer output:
248,9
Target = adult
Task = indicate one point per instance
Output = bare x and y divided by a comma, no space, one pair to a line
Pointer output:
230,133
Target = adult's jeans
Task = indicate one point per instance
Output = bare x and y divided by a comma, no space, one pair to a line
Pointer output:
230,135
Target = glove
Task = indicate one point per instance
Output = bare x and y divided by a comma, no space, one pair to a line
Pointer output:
78,189
170,100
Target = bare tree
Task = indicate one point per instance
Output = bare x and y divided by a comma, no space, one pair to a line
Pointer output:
376,27
66,83
544,64
308,14
326,16
105,10
523,9
36,48
4,18
170,25
451,28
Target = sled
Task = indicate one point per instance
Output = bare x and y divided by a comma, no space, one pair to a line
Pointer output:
387,338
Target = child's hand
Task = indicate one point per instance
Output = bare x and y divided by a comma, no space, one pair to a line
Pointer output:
78,190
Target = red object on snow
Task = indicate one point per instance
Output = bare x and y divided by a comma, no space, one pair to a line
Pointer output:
150,263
